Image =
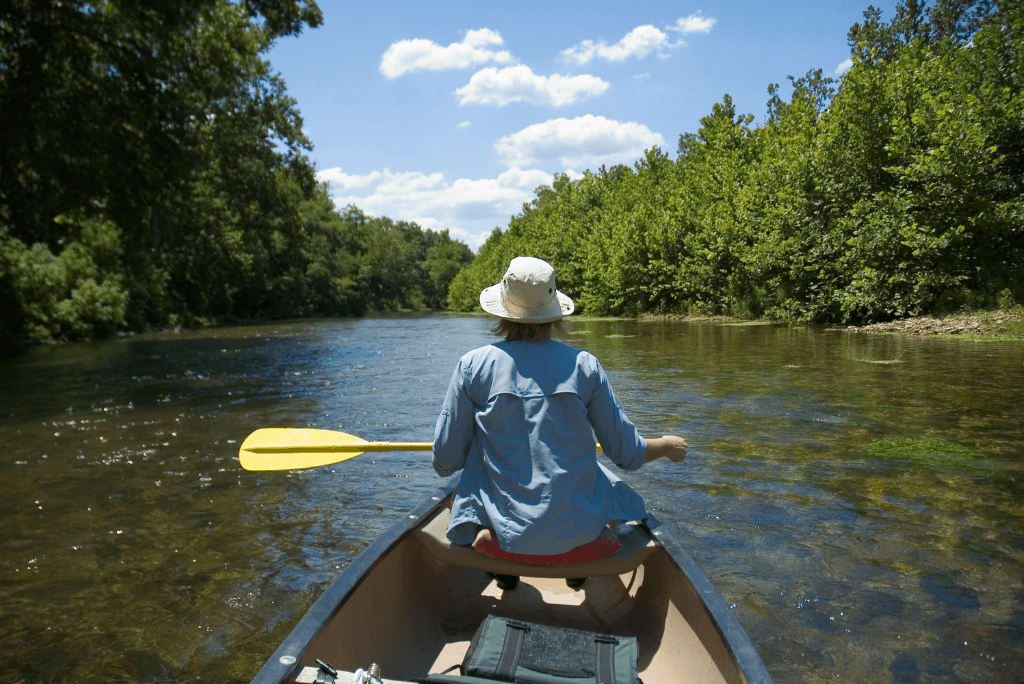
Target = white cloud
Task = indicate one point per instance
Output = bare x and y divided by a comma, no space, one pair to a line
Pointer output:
520,84
464,124
420,54
586,142
844,66
469,209
640,42
694,23
409,182
337,180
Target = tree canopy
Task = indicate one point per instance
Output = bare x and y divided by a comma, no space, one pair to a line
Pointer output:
153,170
896,190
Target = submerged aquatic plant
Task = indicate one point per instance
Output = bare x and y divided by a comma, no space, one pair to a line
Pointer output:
930,451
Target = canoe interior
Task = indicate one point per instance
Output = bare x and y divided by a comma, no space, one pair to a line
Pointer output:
414,614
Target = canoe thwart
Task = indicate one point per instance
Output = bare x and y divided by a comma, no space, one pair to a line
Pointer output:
636,546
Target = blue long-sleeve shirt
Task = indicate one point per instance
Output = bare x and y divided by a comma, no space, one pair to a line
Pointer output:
520,418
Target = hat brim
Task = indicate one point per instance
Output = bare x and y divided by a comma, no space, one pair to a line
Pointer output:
490,301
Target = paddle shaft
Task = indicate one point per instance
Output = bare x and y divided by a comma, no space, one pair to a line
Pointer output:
357,448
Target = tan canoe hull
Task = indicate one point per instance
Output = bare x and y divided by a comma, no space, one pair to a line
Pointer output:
411,603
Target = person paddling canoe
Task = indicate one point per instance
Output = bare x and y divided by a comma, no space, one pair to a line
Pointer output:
519,420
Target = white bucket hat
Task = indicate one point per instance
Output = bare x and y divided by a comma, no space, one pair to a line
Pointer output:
527,293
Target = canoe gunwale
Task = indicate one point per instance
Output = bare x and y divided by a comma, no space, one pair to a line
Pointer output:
736,639
313,622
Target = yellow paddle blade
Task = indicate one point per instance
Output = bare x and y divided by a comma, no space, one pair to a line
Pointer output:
296,448
299,448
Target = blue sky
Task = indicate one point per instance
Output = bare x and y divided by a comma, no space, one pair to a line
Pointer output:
450,113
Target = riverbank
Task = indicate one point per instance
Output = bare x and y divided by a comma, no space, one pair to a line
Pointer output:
1004,324
1000,324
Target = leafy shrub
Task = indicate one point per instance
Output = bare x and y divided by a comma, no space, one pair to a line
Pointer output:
76,294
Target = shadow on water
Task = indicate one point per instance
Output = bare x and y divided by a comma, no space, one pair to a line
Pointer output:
858,499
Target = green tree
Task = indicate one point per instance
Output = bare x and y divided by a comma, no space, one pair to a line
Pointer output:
332,251
487,267
114,112
944,22
76,294
714,165
918,194
102,102
445,258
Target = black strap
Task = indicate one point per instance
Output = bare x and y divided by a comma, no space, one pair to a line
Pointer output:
604,656
511,650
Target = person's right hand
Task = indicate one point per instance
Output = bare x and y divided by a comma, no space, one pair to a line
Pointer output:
668,446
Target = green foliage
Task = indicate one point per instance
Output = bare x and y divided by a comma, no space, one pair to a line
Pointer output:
153,172
898,192
182,190
75,294
331,253
930,453
913,160
951,22
1006,302
486,269
445,259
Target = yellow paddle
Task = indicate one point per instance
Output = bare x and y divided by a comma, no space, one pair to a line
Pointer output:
298,448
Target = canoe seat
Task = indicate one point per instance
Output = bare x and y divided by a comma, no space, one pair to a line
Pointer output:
636,546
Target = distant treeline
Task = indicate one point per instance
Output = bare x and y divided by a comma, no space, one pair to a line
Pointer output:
152,173
897,190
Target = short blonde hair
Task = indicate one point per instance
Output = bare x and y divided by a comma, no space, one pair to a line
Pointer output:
514,331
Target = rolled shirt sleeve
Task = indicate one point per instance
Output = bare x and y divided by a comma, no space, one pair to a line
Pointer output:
453,434
619,438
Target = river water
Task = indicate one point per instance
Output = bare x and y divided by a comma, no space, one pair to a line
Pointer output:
857,499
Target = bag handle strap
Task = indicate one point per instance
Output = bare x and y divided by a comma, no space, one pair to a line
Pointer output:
604,659
511,650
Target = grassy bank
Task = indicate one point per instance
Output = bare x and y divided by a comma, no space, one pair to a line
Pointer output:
1001,324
